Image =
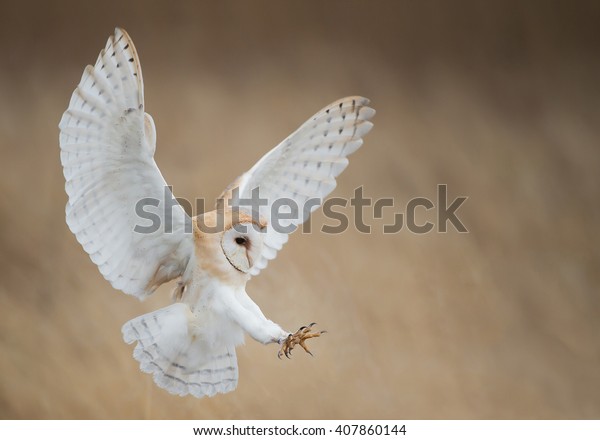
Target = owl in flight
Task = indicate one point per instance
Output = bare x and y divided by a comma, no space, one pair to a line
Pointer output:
114,189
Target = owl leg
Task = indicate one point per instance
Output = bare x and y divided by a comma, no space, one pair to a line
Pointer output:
298,338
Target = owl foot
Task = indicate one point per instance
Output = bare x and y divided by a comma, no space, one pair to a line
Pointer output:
298,338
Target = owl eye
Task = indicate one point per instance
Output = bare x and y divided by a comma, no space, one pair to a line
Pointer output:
240,240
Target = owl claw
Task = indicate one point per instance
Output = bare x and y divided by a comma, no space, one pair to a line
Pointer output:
298,338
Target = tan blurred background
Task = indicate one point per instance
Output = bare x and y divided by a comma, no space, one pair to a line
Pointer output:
497,99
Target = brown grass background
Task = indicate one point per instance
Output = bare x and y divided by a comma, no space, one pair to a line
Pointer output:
497,99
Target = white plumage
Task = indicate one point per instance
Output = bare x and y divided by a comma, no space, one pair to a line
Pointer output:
304,166
107,151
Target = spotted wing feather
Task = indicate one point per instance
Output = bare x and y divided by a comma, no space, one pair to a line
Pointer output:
107,146
304,167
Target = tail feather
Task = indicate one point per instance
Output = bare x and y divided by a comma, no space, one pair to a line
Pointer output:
180,359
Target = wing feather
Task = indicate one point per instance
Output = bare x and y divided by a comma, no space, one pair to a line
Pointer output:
107,146
304,166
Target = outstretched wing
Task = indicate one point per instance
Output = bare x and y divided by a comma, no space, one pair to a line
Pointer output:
302,169
119,207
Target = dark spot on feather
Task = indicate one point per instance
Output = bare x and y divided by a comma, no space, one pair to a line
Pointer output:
126,46
340,132
131,60
118,65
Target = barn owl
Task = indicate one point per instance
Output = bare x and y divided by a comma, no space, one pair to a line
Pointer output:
107,144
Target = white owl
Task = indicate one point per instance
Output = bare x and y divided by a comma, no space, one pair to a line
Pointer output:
107,146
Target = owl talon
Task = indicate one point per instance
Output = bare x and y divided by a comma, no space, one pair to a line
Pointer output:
305,348
298,338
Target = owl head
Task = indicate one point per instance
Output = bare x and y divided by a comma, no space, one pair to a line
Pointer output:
242,244
229,245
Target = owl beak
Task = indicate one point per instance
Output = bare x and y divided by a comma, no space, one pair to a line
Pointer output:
250,262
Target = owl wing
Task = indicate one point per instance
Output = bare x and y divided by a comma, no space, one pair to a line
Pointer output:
120,208
303,167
